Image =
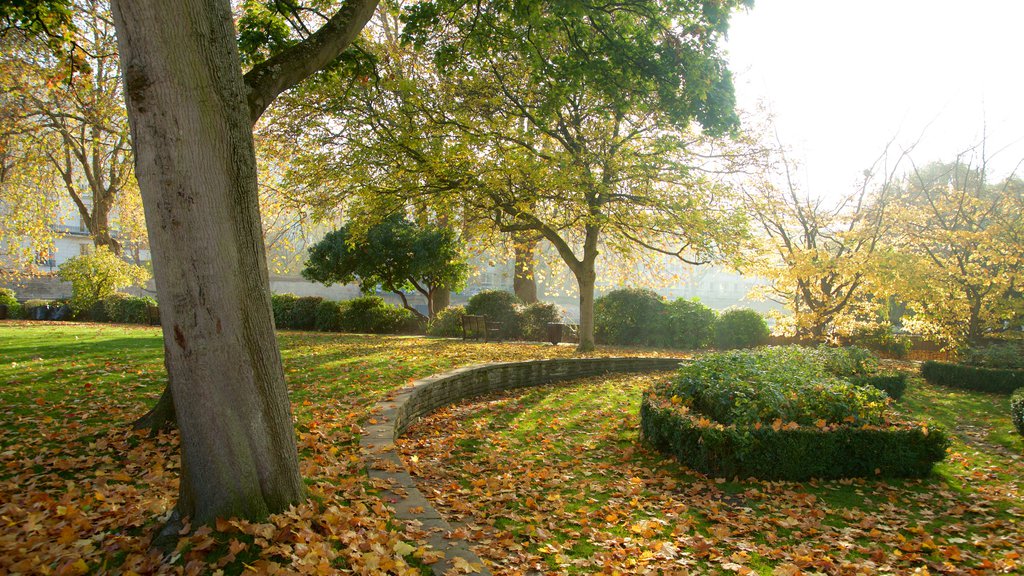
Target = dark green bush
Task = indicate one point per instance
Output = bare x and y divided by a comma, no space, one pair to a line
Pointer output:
7,298
688,324
127,309
789,454
1017,410
282,306
972,377
371,314
1005,355
328,316
98,312
498,306
895,385
302,313
631,317
740,328
535,320
447,322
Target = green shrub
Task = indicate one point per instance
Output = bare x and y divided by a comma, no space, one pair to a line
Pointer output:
786,383
688,324
1007,355
8,298
282,306
328,316
97,312
883,341
99,274
740,328
848,361
535,320
498,306
371,314
972,377
302,313
895,385
789,453
447,322
1017,410
631,317
127,309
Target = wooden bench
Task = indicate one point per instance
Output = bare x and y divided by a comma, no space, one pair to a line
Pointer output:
478,327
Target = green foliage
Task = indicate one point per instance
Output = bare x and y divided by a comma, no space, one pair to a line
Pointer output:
1007,355
447,322
688,324
789,384
882,340
629,316
125,309
997,380
96,276
847,361
282,305
740,328
895,385
328,316
1017,410
7,298
371,314
302,314
790,454
395,254
535,319
498,306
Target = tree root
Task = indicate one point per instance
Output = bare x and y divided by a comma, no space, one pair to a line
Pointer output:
160,416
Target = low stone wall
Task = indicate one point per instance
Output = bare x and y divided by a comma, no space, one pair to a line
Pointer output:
394,416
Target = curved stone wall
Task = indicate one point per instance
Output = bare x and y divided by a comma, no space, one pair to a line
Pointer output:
393,416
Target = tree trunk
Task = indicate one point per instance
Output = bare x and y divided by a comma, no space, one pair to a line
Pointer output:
586,278
159,416
523,282
440,299
196,169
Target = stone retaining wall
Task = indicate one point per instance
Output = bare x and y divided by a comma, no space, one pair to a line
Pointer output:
394,416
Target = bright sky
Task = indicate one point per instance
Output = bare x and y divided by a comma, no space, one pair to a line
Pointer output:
844,77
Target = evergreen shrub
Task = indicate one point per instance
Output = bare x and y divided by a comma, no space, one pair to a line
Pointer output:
302,313
1000,381
535,319
8,298
688,324
740,328
447,322
371,314
329,316
1017,410
498,306
895,385
282,305
630,317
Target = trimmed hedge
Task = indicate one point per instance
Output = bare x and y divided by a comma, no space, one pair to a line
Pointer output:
1000,381
740,328
498,306
127,309
282,305
328,316
895,385
447,322
1017,410
302,313
371,314
689,325
630,317
790,454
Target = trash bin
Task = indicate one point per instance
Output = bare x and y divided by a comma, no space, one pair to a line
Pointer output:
555,332
3,311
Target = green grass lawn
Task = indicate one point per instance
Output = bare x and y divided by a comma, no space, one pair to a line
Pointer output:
557,475
552,478
80,492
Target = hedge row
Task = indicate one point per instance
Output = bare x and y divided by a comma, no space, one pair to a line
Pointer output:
1001,381
791,454
1017,410
895,385
367,314
519,321
641,317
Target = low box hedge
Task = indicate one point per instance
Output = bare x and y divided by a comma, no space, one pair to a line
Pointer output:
998,380
791,452
895,385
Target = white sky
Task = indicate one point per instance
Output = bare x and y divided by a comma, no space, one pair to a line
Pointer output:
843,78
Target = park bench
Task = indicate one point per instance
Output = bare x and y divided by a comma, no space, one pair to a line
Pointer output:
478,327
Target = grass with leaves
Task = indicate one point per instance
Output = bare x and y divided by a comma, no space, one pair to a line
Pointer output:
555,479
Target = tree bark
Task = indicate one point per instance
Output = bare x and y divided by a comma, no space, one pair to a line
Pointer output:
523,282
159,416
440,299
586,278
196,168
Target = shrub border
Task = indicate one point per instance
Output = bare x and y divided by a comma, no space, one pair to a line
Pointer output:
796,454
981,379
392,417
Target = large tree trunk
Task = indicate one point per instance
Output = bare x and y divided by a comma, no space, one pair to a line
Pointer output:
196,169
586,278
440,299
523,282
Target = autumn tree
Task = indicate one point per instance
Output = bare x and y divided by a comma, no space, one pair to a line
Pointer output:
963,235
395,254
191,111
824,259
557,121
65,107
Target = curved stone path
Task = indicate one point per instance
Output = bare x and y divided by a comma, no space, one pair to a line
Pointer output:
394,415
